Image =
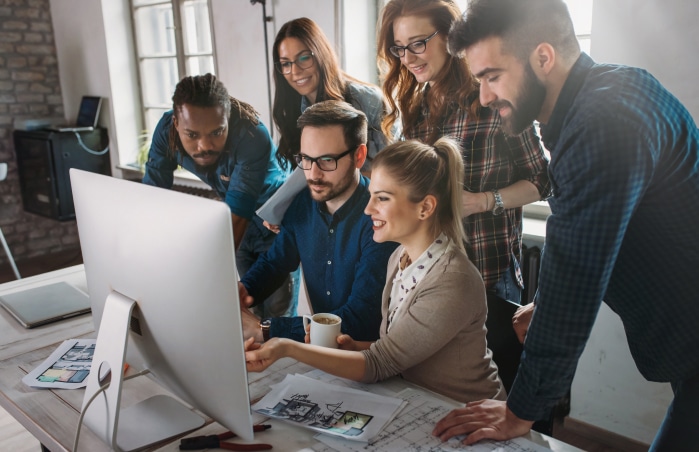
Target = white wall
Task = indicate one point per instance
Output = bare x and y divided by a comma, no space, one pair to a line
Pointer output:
93,45
125,115
608,391
661,37
359,40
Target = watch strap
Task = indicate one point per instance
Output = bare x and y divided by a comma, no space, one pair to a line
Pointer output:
499,205
265,325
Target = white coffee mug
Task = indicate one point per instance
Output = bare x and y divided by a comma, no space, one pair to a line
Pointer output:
324,329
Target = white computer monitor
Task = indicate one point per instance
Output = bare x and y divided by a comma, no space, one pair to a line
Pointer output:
161,265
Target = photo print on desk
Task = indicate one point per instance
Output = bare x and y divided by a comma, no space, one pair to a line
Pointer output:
66,368
327,408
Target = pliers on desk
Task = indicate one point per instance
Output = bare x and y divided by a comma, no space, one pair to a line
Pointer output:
217,441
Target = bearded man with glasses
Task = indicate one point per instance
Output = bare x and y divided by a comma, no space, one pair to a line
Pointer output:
325,229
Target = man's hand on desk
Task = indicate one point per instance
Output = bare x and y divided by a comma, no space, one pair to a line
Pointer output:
480,420
521,320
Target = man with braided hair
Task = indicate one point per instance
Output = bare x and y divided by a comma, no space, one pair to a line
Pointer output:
221,140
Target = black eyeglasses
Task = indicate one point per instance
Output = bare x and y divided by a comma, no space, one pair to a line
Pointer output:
324,162
304,61
415,48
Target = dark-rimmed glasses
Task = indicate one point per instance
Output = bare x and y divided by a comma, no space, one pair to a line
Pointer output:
303,61
416,47
324,162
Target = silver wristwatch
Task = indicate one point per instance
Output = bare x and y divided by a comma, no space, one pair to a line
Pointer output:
499,207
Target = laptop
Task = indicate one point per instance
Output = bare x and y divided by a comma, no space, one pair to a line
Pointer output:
46,304
88,114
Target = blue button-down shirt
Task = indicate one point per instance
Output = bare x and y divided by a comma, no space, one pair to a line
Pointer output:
246,175
344,268
625,175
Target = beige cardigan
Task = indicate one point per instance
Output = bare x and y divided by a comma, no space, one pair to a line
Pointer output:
439,343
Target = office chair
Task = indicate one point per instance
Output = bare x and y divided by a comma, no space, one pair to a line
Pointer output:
3,175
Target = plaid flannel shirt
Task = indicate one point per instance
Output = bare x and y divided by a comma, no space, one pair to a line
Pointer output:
492,161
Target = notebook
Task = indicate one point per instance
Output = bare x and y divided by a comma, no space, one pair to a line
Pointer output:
88,114
46,304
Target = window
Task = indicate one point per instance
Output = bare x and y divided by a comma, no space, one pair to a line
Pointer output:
173,40
581,13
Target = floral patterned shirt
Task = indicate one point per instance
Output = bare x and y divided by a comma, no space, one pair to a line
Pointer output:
410,276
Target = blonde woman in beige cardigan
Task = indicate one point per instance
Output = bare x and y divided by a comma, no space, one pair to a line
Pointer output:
434,303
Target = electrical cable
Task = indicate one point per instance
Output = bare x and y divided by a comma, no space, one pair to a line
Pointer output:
86,149
89,402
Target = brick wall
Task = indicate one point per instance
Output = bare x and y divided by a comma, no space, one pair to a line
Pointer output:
29,89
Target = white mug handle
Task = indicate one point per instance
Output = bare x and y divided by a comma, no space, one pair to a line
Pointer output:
306,320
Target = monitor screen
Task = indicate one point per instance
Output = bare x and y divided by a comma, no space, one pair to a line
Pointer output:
173,255
89,111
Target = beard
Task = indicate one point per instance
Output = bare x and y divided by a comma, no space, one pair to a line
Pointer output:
334,190
531,97
205,168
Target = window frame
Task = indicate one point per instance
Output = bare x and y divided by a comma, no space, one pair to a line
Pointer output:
180,53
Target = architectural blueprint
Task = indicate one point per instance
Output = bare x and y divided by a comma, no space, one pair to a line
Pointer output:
323,407
411,431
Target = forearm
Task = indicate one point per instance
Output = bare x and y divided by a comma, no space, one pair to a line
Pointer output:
240,224
362,345
518,194
342,363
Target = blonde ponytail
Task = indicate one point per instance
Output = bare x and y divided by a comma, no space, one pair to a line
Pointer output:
436,170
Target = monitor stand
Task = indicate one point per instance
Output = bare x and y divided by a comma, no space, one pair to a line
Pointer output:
150,421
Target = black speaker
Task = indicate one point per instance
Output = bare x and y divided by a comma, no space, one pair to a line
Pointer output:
44,158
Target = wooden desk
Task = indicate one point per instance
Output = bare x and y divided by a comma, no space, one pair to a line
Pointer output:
52,415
